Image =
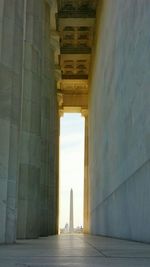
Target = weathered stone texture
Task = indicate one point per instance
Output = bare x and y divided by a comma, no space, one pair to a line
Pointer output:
27,96
30,141
120,122
11,36
38,121
48,94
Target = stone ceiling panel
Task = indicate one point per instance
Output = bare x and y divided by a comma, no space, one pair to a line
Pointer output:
75,24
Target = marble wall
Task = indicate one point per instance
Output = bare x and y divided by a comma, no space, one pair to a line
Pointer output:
119,121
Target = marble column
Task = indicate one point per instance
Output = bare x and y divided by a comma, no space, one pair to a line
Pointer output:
29,124
71,225
30,129
86,176
49,179
11,36
54,167
46,87
38,177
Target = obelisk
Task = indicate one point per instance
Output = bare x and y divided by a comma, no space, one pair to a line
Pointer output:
71,227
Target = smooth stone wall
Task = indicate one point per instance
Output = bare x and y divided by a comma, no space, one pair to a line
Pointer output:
119,123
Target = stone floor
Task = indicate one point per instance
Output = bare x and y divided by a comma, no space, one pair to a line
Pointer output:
75,250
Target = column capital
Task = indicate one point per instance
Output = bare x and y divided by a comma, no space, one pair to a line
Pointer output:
59,98
50,2
61,113
84,112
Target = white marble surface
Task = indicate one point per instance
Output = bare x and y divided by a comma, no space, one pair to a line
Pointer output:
119,122
75,250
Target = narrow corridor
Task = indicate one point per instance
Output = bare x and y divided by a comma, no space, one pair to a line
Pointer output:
75,250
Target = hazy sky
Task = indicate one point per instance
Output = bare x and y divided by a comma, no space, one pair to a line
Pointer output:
71,167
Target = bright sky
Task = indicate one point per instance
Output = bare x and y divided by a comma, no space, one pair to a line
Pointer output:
71,167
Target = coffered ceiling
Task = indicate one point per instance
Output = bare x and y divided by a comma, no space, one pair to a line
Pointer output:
75,22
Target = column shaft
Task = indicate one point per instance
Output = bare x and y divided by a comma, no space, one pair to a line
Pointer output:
86,180
30,128
11,35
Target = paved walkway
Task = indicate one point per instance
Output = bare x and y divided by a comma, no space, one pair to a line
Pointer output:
75,250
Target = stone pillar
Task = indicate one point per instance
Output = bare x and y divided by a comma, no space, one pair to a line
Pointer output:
53,184
71,225
86,176
11,36
30,128
47,86
38,175
49,135
54,167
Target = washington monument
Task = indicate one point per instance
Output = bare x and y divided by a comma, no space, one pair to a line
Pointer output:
71,227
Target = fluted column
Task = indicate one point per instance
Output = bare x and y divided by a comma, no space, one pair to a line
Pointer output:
30,127
47,87
54,167
11,41
49,135
86,176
